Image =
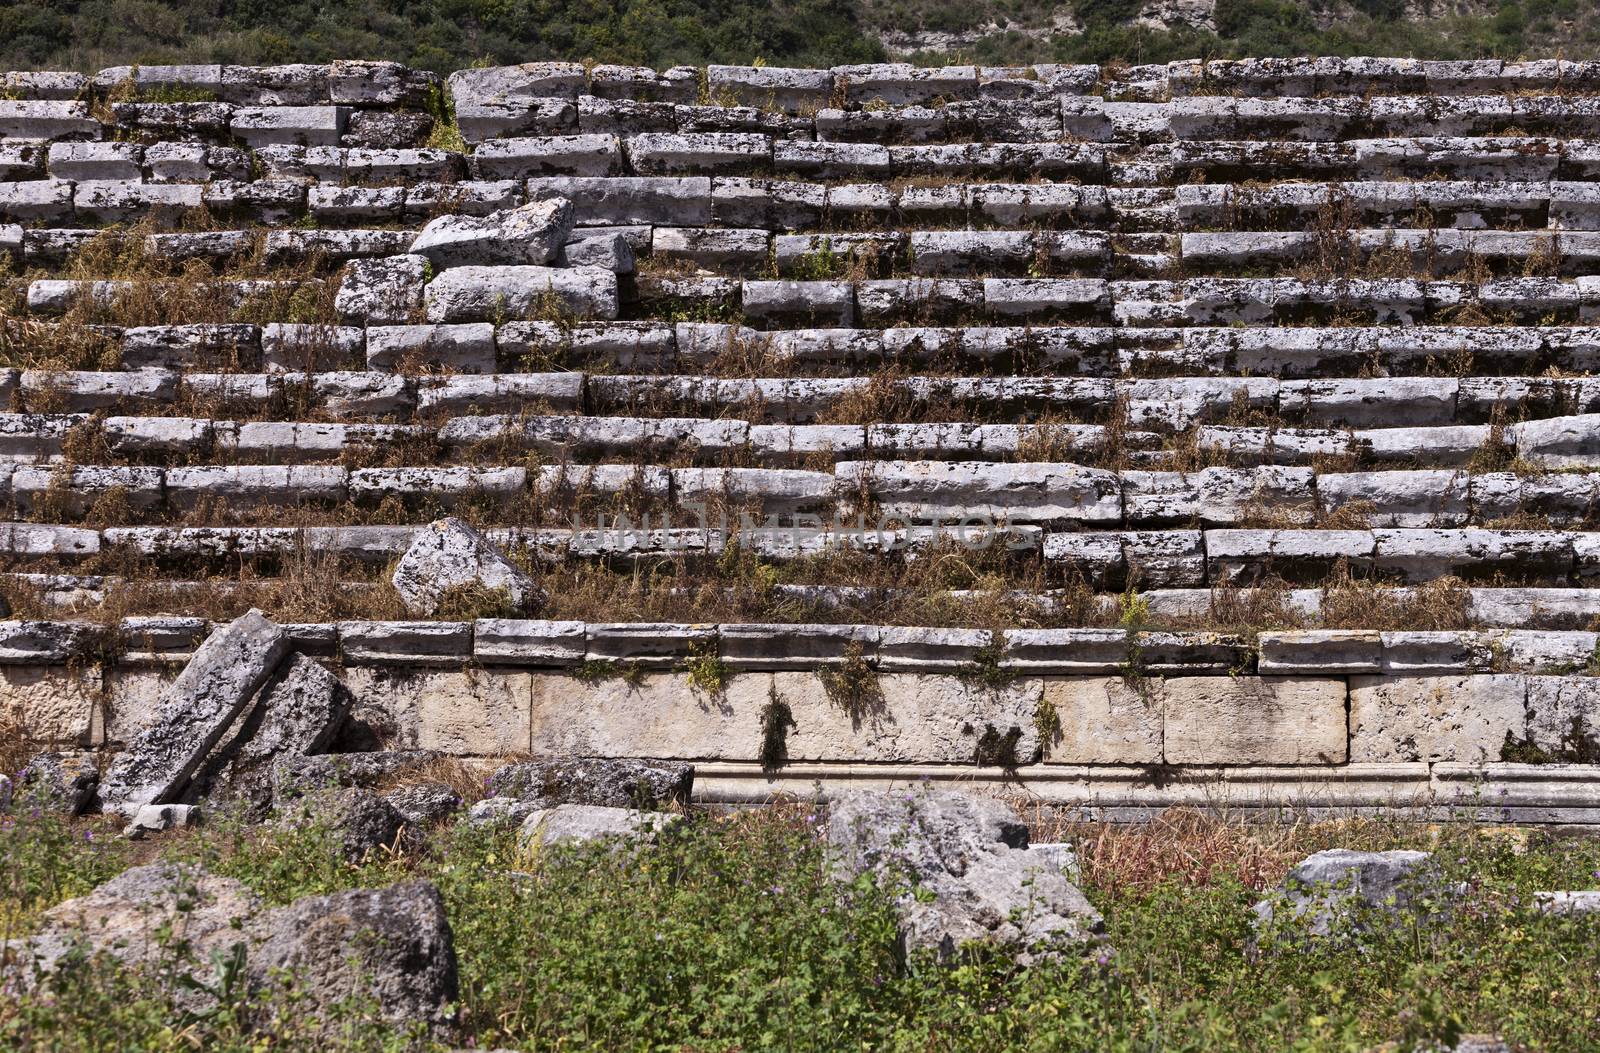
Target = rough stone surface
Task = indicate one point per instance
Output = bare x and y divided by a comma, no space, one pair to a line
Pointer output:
1335,889
385,291
967,859
361,821
577,824
298,714
299,776
196,711
424,803
58,782
450,555
531,234
620,783
1435,718
1254,720
158,818
392,946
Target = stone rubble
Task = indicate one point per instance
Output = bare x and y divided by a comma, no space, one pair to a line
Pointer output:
967,859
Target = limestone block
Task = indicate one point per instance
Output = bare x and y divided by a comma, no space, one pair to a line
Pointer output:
920,718
1306,652
405,643
1563,717
102,161
196,711
45,84
902,84
46,119
784,303
470,712
39,199
385,291
73,491
770,88
1066,651
356,202
269,201
1217,496
755,646
1031,491
256,485
646,645
1104,720
1254,720
465,198
287,85
552,155
163,203
1426,498
654,153
529,642
658,715
175,120
441,486
633,200
466,348
501,393
483,294
711,249
51,703
772,489
1434,718
289,125
304,348
908,649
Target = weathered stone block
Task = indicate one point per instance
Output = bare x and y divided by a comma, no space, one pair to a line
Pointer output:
1104,720
1434,718
1254,720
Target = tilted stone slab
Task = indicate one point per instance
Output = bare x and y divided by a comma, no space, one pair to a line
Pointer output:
196,711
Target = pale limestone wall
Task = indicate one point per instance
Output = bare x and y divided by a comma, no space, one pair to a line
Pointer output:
1248,721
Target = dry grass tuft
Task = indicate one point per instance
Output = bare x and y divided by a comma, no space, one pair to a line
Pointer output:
1198,847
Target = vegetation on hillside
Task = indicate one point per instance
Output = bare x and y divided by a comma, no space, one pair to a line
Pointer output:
730,936
450,34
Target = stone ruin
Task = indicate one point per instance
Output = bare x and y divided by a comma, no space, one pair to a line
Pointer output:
1208,349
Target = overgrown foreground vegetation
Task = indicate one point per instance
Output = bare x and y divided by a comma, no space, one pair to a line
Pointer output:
444,35
729,937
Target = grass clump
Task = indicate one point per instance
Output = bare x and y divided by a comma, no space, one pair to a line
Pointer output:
705,669
853,685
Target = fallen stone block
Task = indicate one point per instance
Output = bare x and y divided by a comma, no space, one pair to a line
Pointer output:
579,824
1340,892
424,803
64,783
974,880
159,818
389,946
531,234
449,556
298,715
361,822
195,712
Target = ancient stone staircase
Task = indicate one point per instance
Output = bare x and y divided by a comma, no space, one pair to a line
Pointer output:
1207,432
